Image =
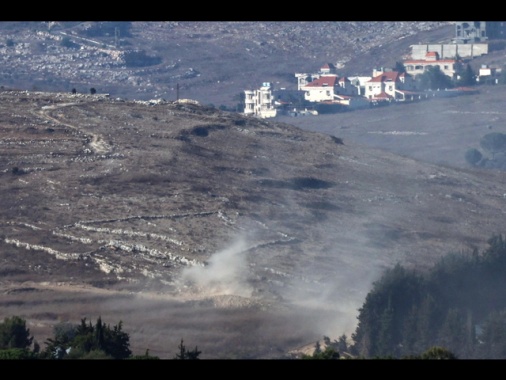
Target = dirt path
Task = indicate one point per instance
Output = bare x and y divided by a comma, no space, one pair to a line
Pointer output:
96,143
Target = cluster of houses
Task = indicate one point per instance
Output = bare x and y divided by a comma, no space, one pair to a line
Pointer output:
385,86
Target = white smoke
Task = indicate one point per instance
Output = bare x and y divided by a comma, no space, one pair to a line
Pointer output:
225,274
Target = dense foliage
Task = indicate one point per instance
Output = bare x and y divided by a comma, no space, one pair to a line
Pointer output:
455,310
14,334
88,340
75,341
459,305
434,79
467,77
493,146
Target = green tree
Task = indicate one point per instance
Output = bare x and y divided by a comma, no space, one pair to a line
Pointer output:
473,156
399,67
386,332
66,42
502,77
240,99
329,353
184,354
460,304
467,77
454,333
14,333
57,346
342,344
89,341
117,342
380,321
438,353
434,79
494,142
493,336
146,356
17,354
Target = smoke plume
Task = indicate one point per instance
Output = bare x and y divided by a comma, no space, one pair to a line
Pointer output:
225,274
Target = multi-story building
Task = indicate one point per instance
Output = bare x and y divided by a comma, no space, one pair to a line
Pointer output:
470,31
260,103
303,79
327,87
389,85
449,67
478,31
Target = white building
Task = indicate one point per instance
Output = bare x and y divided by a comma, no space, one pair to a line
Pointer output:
260,103
359,82
327,88
449,67
304,79
488,74
389,85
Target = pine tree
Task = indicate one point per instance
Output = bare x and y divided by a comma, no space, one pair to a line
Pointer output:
14,333
184,354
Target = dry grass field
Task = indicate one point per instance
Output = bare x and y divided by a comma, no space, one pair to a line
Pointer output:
248,238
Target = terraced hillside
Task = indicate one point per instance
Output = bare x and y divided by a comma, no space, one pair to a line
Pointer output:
245,237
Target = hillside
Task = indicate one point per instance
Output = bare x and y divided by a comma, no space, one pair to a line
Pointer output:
245,237
212,62
438,131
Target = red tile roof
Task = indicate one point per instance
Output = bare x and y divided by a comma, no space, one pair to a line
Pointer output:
388,75
329,81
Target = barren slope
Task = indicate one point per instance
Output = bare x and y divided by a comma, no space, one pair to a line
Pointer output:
245,237
212,62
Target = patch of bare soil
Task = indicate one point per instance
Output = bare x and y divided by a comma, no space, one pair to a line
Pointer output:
245,237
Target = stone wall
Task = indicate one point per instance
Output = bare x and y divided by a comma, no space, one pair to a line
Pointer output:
449,51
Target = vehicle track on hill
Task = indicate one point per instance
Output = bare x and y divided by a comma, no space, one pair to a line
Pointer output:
96,142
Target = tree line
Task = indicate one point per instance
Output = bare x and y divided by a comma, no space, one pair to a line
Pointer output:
455,310
75,341
459,305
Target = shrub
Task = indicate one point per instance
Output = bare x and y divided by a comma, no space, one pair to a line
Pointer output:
473,156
